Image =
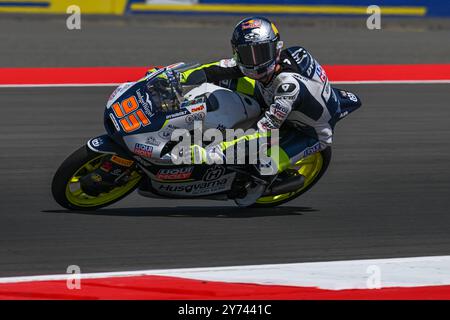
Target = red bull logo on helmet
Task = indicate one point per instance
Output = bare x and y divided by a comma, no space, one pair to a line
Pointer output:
251,24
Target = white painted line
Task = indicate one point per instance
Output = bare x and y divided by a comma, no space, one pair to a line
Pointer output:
63,85
334,275
391,82
59,85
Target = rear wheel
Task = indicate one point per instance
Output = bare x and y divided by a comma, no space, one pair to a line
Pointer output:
66,188
312,168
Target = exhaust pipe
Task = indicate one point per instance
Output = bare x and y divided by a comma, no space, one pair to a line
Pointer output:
289,185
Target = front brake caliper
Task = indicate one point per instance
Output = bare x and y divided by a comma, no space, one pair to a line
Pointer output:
113,172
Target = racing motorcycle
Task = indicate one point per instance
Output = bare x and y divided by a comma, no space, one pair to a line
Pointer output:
135,152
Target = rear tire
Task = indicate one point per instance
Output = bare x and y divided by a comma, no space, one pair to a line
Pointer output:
326,159
73,163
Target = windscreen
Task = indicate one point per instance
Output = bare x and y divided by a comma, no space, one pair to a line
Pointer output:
165,91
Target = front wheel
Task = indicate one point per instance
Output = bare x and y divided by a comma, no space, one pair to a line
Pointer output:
66,188
312,168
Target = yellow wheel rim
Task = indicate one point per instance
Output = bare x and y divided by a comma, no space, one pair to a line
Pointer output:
77,197
309,167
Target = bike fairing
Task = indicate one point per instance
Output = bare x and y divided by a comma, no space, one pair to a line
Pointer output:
185,114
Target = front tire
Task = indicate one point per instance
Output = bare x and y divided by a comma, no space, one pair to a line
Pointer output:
66,179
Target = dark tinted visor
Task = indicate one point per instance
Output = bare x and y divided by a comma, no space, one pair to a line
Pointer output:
256,54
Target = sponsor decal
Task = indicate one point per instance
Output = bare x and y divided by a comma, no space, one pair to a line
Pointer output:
197,101
197,109
114,121
265,124
119,89
352,97
227,63
145,104
281,108
312,149
251,36
280,111
167,132
122,161
300,77
321,73
285,97
96,142
176,115
310,69
197,188
152,141
343,114
251,24
286,88
214,173
143,150
175,173
188,103
296,55
195,117
113,95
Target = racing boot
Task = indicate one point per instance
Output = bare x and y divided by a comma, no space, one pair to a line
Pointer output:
255,188
253,191
285,182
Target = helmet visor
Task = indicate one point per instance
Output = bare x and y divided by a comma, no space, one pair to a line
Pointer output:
256,54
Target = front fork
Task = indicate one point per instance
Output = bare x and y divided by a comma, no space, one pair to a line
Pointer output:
112,172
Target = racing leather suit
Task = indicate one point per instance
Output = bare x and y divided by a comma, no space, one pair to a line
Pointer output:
299,96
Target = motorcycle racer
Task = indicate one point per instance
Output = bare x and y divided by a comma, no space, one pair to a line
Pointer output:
156,121
290,85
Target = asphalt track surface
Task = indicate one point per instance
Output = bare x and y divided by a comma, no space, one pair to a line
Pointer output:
31,41
386,193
